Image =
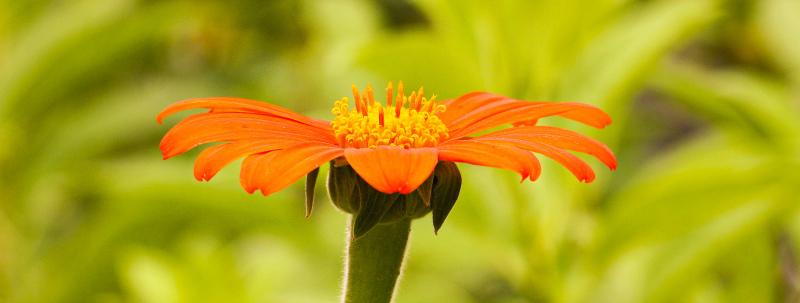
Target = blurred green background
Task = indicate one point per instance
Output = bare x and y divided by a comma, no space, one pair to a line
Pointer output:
704,207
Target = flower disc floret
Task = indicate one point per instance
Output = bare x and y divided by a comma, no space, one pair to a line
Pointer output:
411,121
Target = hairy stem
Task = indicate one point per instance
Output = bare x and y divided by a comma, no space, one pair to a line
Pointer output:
374,262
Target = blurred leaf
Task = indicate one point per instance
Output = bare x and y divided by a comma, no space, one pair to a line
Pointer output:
149,278
692,255
681,184
613,65
751,103
54,35
779,25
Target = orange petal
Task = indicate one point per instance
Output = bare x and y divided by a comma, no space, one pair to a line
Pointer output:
503,156
479,111
560,138
227,104
580,169
526,112
478,101
474,103
275,170
392,169
224,127
213,159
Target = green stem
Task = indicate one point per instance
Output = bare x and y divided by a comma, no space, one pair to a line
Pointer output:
374,262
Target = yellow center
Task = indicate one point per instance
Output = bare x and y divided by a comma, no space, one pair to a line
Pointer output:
407,121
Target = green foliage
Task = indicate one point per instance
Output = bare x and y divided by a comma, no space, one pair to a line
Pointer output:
703,208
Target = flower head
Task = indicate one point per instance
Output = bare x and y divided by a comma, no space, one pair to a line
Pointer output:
393,146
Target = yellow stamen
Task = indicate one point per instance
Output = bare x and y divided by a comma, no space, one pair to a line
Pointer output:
370,96
427,106
401,101
356,97
400,89
368,126
418,100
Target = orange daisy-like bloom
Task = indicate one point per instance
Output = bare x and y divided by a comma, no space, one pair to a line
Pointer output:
394,146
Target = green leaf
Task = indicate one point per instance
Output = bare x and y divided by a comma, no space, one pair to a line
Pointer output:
737,100
682,185
613,64
779,25
45,66
694,253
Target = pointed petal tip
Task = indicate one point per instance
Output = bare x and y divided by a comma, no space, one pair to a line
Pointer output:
265,191
166,154
166,150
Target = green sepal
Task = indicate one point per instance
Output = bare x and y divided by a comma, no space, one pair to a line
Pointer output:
425,189
342,187
396,212
370,207
373,206
446,187
415,206
407,206
311,183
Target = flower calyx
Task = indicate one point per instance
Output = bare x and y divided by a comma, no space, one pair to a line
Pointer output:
369,207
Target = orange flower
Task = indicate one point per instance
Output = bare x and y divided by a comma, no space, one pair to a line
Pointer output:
394,146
